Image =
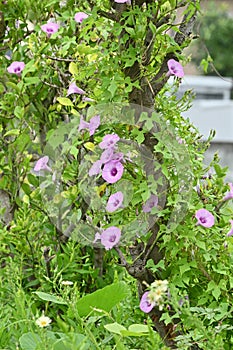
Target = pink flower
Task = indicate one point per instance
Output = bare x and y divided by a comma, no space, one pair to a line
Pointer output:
50,28
107,155
91,126
112,171
175,68
87,99
204,218
109,237
114,201
109,141
74,89
96,168
128,2
42,164
145,305
83,124
230,233
229,195
150,203
80,16
118,157
94,124
16,67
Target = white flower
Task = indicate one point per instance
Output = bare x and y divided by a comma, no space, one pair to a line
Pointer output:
67,283
43,321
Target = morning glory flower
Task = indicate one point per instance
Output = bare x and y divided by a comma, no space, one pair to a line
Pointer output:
230,233
42,164
109,237
114,201
112,171
91,126
128,2
107,155
175,68
145,304
50,28
229,195
109,141
74,89
80,16
83,124
16,67
150,203
118,157
94,124
87,99
204,218
96,168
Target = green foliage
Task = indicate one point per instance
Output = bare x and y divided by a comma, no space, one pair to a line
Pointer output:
215,37
49,264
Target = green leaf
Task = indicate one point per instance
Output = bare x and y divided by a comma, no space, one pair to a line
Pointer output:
13,86
33,180
184,268
19,112
103,299
49,297
115,327
31,80
73,69
112,88
201,244
64,101
133,334
29,341
26,188
138,328
216,292
12,132
72,341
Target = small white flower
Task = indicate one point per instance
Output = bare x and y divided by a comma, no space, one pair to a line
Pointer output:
67,283
43,321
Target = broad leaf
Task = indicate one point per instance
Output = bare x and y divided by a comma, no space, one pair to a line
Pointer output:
103,299
49,297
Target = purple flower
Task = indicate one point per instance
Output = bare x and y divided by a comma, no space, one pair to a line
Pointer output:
109,237
179,140
145,305
16,67
175,68
74,89
96,168
107,155
94,124
109,141
114,201
230,233
229,195
83,124
50,28
204,218
42,164
128,2
87,99
150,203
112,171
91,126
80,16
118,157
